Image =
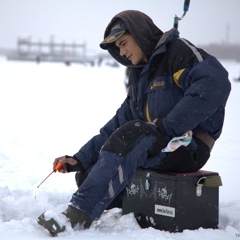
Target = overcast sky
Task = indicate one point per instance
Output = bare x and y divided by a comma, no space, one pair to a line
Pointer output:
207,21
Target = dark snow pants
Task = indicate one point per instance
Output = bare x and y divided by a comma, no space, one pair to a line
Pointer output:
135,144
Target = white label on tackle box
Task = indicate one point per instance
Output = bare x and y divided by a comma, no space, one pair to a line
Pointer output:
165,211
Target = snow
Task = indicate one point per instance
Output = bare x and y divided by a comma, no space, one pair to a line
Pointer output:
49,110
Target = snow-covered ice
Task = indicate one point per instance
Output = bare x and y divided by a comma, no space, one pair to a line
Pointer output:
49,110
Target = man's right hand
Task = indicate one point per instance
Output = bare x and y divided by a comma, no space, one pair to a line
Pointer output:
64,160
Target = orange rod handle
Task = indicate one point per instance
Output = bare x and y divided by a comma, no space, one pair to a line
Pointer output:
59,165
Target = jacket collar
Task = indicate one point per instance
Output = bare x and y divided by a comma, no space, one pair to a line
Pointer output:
165,39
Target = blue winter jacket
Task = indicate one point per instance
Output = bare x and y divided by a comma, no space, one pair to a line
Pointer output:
182,85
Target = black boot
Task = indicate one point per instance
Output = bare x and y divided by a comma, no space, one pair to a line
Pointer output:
77,218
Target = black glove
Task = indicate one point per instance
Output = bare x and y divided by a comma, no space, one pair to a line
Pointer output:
76,167
161,141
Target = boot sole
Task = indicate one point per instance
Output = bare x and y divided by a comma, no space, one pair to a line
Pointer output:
51,225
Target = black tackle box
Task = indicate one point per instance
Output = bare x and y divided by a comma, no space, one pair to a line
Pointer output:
174,201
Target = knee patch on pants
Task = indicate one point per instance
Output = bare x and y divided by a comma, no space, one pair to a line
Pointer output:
124,138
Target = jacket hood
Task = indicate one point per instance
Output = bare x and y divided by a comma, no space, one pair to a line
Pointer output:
143,30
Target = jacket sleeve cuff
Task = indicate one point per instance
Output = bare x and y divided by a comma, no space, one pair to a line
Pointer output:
74,168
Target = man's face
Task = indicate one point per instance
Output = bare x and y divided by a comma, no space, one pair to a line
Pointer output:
129,48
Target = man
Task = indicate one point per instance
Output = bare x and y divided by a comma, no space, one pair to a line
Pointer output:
169,121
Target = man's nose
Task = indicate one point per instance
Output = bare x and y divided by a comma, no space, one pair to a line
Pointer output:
122,52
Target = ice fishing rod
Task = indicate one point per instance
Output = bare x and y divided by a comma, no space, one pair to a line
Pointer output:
59,165
185,9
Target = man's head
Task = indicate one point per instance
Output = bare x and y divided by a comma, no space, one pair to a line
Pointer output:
120,37
140,33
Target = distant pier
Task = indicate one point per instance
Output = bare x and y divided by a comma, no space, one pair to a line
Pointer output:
39,51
